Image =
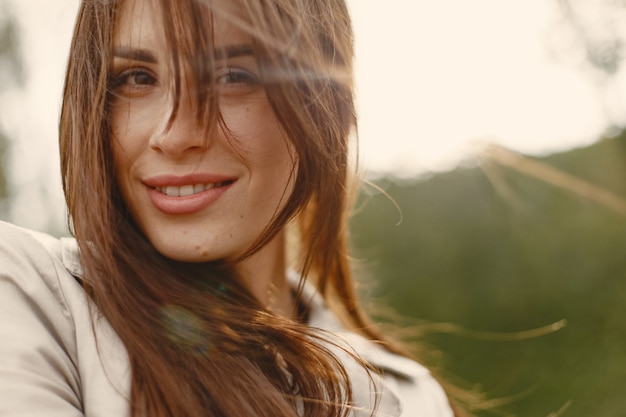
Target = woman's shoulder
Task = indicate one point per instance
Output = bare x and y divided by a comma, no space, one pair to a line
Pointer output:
50,360
33,279
404,388
30,259
407,386
37,332
24,241
38,282
419,392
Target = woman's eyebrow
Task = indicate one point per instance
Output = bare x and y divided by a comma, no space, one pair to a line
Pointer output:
144,55
233,51
134,54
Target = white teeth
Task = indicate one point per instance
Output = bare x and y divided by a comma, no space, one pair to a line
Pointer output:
186,190
172,191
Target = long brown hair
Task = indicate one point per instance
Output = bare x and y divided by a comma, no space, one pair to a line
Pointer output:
198,342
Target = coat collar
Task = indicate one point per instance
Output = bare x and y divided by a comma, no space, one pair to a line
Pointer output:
70,256
322,317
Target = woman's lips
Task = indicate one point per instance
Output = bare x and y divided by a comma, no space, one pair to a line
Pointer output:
186,195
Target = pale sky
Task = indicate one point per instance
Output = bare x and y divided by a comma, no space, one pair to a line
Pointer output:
435,79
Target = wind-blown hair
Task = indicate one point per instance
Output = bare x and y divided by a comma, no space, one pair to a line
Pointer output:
198,342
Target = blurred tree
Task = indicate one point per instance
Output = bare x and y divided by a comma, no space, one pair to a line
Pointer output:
496,250
598,26
593,35
11,76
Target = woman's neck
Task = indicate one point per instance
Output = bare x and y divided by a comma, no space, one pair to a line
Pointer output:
263,274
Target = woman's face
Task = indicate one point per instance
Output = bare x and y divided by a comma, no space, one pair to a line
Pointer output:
197,197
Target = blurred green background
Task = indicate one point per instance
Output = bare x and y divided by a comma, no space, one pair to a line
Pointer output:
494,250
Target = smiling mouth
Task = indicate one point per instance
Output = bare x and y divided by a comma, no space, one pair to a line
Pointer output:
189,190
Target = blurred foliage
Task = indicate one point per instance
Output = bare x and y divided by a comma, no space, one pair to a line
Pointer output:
3,168
11,75
11,62
510,258
598,26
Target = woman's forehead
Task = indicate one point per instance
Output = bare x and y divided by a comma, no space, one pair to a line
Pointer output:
140,23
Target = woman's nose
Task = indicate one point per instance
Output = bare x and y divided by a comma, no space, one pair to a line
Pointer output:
181,133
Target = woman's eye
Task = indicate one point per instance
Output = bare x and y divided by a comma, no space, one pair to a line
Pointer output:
132,80
237,78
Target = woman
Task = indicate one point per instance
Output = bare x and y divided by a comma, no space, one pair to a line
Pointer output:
201,139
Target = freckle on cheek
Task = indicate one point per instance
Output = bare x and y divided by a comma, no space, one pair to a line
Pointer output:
205,253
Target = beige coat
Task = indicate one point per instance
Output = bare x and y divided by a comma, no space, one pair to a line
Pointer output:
54,363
